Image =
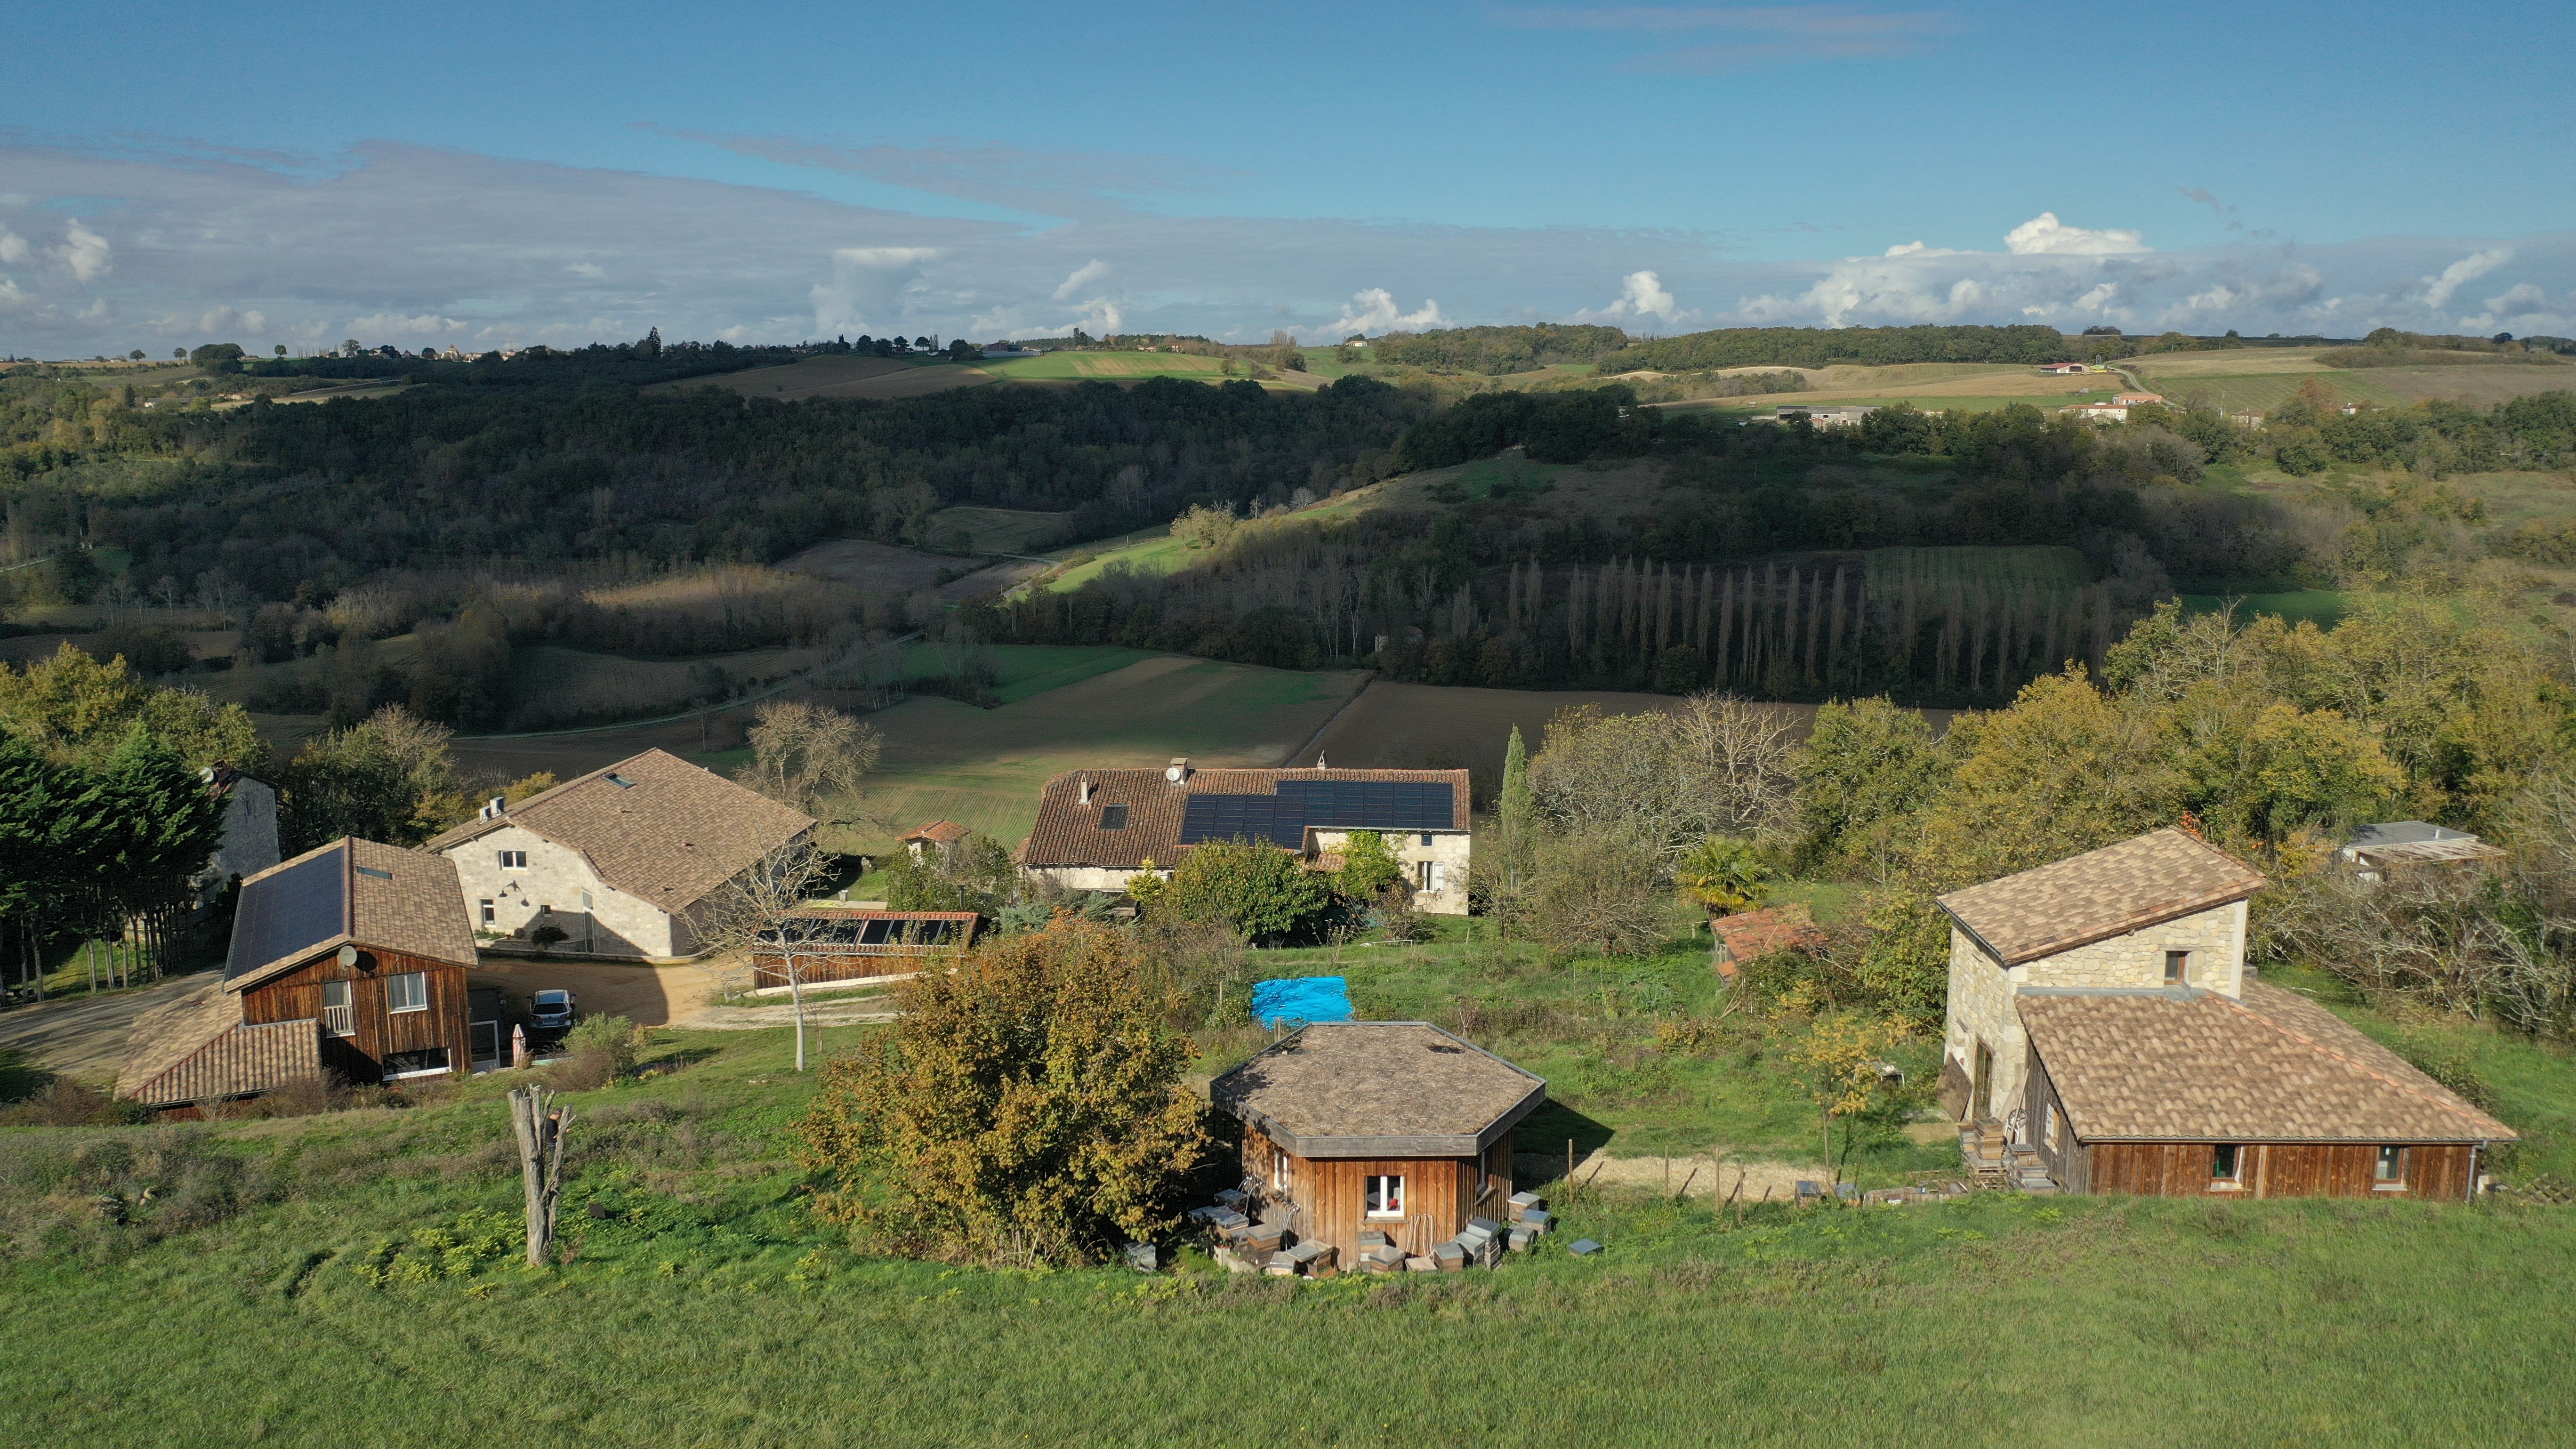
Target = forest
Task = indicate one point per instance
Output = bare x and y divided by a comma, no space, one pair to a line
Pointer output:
1823,347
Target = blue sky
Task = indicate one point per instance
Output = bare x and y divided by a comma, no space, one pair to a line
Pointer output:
491,174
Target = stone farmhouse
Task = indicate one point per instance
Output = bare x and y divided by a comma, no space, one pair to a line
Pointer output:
2106,1034
619,859
1096,828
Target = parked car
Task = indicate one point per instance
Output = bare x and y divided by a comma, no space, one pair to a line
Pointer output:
553,1009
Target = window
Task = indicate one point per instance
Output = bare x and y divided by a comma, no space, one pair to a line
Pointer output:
407,992
2177,967
585,901
1279,1174
2048,1129
1426,840
1113,817
487,911
337,1015
378,874
1427,875
2226,1165
2389,1174
428,1061
514,860
1385,1197
620,781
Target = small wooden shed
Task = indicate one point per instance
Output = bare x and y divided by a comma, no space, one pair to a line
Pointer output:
1377,1126
849,943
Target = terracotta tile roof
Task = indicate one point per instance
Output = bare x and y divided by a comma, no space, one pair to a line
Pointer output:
2100,894
937,832
1379,1088
1748,934
196,1048
356,892
667,837
1068,831
2195,1066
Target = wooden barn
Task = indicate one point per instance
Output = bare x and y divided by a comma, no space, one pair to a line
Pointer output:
846,943
2266,1094
1386,1126
369,940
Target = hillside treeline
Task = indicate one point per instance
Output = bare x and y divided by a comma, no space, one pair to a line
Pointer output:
1496,350
269,496
1825,346
1495,592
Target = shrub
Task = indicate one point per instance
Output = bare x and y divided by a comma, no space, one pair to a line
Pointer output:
597,1052
1026,1109
1263,892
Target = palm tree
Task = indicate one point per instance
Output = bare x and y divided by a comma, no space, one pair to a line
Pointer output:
1724,874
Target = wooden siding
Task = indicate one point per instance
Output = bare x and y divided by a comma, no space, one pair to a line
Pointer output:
2435,1172
243,1061
1325,1201
376,1033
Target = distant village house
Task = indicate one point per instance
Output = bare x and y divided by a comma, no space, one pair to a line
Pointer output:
1096,828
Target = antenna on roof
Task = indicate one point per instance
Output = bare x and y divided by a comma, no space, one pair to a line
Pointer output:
1319,759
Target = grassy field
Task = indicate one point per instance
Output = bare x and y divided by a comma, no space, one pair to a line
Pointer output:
1152,554
2000,570
1003,530
983,768
1070,366
376,1251
1445,727
2321,607
1024,670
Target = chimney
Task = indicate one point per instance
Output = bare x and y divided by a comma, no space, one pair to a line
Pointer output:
1178,771
495,807
1086,792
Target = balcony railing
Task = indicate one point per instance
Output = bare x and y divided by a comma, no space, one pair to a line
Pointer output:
340,1020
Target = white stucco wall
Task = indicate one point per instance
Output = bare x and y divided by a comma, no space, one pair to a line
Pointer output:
1982,1009
617,924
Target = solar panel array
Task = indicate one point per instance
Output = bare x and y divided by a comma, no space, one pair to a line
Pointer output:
1282,819
1374,804
302,905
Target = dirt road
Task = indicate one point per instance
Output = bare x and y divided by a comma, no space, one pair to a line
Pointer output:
1710,1180
84,1036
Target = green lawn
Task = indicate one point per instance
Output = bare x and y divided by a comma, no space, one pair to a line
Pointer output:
2322,607
1158,554
1027,670
374,1253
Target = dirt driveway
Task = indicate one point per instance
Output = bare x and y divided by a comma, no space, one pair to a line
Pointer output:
1694,1177
84,1036
645,995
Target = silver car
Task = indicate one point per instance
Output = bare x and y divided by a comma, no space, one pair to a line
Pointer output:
553,1009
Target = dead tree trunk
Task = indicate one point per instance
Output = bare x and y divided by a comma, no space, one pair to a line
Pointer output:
540,1125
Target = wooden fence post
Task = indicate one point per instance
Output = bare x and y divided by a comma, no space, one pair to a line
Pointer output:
539,1124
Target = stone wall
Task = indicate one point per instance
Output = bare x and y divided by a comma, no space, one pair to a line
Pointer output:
550,891
1448,853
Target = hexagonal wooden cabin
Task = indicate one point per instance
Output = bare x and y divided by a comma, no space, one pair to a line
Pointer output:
1389,1126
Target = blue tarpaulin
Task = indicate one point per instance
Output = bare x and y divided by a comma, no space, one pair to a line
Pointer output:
1307,998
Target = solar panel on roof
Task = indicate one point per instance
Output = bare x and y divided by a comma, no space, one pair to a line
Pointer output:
1280,821
300,906
1374,804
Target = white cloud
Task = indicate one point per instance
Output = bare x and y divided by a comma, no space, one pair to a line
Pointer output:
1088,272
12,297
1372,309
2522,308
394,325
1641,294
2438,290
593,270
866,292
1918,249
2045,236
13,247
86,253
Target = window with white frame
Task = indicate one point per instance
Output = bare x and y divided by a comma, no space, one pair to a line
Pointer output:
2048,1129
2226,1165
514,860
2390,1171
1427,875
1385,1196
407,991
487,911
337,1013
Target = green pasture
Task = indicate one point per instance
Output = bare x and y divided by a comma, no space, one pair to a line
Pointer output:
1070,366
1002,530
703,1304
1153,554
2262,392
2322,607
1024,670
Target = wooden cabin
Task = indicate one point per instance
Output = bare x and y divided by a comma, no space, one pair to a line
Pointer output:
370,941
1387,1126
847,943
2263,1094
2106,1034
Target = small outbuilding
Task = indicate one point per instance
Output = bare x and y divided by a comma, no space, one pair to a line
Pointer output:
938,838
1394,1127
2395,847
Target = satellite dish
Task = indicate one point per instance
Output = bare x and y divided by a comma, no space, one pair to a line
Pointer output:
348,955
